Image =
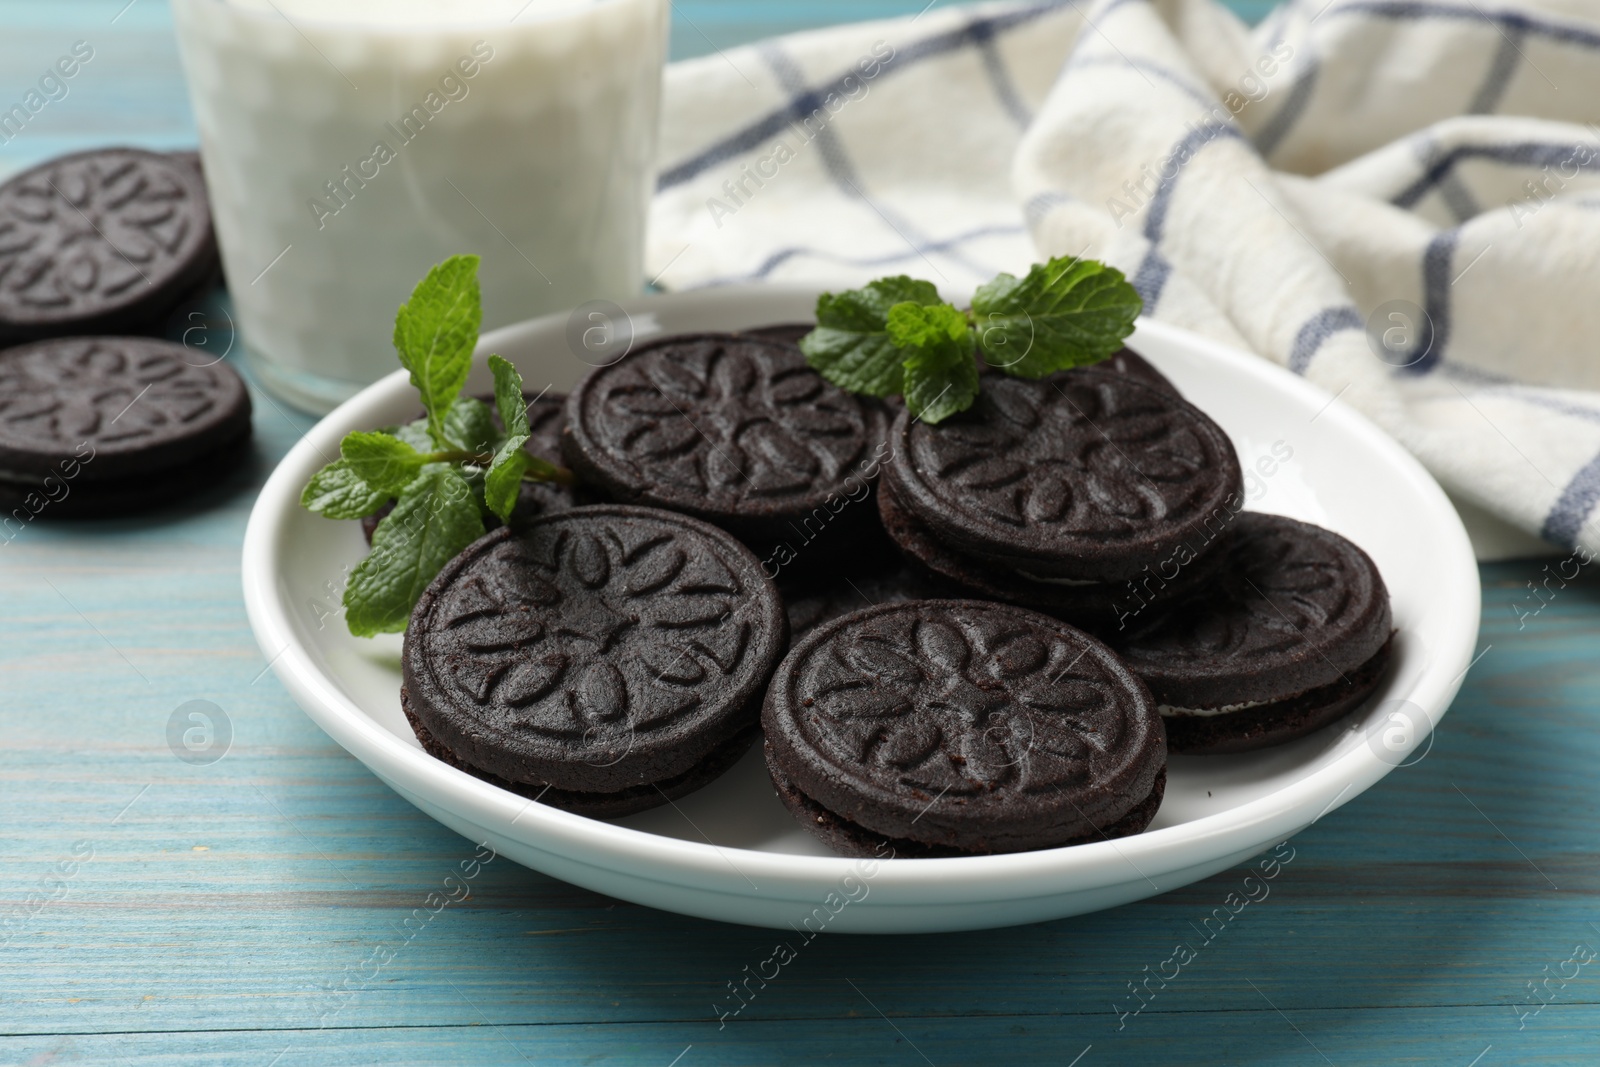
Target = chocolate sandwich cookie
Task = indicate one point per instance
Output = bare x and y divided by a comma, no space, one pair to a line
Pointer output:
737,431
960,727
1100,607
546,417
1293,634
109,241
614,656
107,425
1085,475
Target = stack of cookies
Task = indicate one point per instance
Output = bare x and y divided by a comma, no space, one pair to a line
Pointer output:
1086,494
98,416
977,637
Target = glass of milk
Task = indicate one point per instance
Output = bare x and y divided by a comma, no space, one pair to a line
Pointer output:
349,145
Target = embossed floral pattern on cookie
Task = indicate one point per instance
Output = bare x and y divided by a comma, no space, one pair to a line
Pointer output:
959,702
597,635
93,233
932,720
1086,475
1068,455
118,397
723,423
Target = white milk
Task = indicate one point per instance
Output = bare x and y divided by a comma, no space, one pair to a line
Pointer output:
351,144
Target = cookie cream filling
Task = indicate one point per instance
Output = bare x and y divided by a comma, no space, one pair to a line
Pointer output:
1172,712
1056,581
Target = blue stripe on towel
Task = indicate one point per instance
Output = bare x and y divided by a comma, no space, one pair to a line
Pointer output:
1572,507
837,162
1316,331
834,158
994,65
1151,276
758,133
1436,282
1509,22
1197,137
783,255
1458,198
1523,153
1277,128
1494,85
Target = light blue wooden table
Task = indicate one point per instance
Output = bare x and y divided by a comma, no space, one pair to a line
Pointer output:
154,911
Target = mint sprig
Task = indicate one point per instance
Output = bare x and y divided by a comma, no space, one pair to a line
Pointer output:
896,336
446,472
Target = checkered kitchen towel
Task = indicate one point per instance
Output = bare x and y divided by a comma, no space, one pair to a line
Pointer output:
1429,166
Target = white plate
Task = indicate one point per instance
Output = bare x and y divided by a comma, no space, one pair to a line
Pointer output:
730,852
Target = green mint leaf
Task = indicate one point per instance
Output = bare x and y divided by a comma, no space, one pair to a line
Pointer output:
508,396
864,363
867,309
1066,313
503,484
435,332
385,463
851,346
470,425
414,434
941,375
337,492
436,517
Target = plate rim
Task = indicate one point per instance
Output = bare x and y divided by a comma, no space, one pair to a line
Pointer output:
642,855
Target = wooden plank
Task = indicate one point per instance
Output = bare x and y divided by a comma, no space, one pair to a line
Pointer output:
1260,1036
